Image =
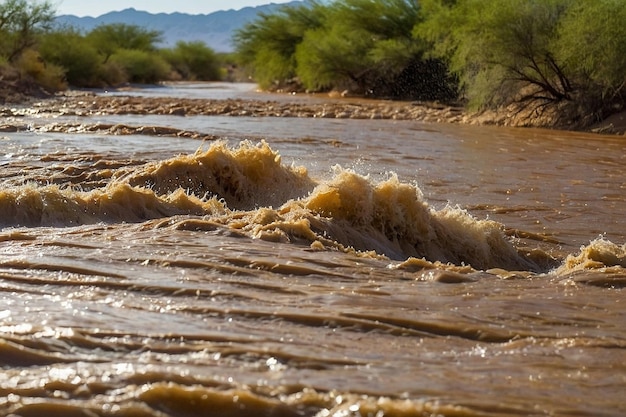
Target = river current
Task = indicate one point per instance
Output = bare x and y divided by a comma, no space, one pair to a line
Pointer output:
309,267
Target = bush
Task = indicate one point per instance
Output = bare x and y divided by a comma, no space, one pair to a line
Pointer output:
364,46
109,38
564,56
20,23
140,66
69,49
267,45
49,76
500,49
112,73
193,61
334,57
592,44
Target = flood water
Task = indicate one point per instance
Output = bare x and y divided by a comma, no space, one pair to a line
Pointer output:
310,267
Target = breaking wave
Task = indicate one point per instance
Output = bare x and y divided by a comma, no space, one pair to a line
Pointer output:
248,188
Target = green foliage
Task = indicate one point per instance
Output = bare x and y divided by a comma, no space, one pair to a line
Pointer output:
390,19
334,58
536,54
568,55
68,49
20,23
193,61
141,66
267,45
501,49
336,55
112,73
110,38
118,53
592,44
110,54
31,66
365,46
86,61
386,46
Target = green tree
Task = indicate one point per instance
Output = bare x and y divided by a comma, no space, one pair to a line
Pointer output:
502,50
70,50
592,45
193,61
109,38
335,57
390,19
20,23
268,44
364,46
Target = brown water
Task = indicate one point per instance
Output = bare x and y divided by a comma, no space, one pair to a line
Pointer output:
311,267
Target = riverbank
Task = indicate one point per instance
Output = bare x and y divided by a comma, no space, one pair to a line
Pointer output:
77,103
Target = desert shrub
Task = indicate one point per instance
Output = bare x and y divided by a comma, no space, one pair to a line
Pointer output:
31,66
365,46
502,50
21,21
334,57
113,73
141,66
68,49
267,45
8,71
564,56
591,42
193,61
110,38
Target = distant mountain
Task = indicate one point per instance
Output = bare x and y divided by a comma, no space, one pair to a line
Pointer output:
214,29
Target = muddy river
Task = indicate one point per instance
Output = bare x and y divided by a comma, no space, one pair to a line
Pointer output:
189,264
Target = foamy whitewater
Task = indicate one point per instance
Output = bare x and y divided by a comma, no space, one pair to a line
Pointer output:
308,267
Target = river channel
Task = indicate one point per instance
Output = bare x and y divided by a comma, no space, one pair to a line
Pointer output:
307,266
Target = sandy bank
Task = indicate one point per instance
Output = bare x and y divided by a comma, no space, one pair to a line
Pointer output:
87,104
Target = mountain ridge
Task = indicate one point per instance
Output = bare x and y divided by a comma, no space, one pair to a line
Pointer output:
215,29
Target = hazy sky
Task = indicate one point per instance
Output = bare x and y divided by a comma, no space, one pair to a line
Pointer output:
97,8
